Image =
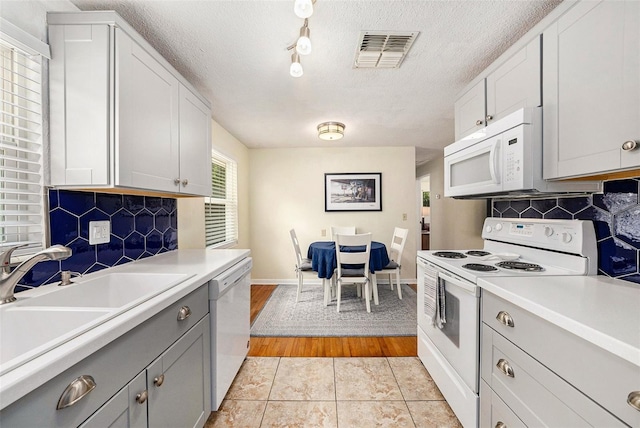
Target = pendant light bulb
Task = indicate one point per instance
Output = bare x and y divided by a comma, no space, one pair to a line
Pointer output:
296,68
303,45
303,8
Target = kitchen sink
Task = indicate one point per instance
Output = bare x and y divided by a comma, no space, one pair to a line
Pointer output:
28,332
114,290
33,325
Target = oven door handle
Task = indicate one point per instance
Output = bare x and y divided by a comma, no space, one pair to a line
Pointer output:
464,285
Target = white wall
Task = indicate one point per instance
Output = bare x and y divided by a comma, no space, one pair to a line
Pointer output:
191,210
455,224
287,191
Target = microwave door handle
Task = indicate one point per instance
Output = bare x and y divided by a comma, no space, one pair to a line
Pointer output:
493,163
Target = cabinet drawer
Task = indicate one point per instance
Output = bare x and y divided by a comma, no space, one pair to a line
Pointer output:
538,396
494,412
569,356
112,367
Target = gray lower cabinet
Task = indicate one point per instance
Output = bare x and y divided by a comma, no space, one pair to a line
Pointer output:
127,409
156,375
534,373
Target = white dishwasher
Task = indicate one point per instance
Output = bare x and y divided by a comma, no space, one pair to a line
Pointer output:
229,305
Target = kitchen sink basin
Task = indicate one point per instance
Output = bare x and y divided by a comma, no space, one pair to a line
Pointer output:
114,290
26,333
33,325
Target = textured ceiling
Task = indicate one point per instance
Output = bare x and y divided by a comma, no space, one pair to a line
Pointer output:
235,53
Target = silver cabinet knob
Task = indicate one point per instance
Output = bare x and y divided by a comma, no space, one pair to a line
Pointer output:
505,318
489,117
505,368
185,182
627,146
479,122
501,424
184,313
176,181
142,397
158,381
76,391
634,399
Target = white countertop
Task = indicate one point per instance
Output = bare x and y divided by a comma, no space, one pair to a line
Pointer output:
601,310
202,264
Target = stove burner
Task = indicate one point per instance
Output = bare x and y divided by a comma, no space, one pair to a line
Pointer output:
449,255
528,267
478,253
479,267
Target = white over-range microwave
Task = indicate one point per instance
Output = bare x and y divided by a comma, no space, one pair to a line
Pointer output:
504,159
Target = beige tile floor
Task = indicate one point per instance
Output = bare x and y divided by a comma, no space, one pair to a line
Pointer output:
333,392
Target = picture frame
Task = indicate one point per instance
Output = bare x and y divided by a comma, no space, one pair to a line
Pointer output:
353,191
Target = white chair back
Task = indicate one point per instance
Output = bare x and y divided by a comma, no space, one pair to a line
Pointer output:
343,257
398,241
296,247
342,230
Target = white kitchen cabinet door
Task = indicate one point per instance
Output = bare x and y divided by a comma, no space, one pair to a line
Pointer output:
79,105
515,84
470,111
147,145
591,74
195,144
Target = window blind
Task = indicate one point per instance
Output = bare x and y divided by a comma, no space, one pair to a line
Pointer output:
21,181
221,209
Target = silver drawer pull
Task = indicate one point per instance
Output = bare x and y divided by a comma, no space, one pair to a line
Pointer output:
504,367
158,381
627,146
500,424
634,399
184,313
76,391
142,397
505,318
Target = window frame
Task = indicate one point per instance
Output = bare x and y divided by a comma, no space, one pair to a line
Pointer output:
229,202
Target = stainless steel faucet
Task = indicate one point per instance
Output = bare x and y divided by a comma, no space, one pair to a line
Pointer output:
9,280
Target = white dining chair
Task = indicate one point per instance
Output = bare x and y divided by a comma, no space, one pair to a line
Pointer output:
303,264
396,248
358,277
342,230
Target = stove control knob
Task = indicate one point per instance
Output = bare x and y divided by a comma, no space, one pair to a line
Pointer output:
499,227
488,229
566,237
548,231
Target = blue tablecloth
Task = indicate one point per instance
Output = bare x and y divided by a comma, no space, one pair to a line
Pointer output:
323,257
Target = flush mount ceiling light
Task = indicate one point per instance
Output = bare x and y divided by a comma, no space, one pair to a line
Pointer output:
296,68
303,45
303,8
330,131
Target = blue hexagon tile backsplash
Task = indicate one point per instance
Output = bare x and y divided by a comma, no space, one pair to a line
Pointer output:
141,226
616,216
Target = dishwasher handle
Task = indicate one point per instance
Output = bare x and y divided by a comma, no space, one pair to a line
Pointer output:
219,285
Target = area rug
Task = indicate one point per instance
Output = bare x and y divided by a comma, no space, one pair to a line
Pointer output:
282,316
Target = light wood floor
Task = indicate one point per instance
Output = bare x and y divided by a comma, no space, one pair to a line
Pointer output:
405,346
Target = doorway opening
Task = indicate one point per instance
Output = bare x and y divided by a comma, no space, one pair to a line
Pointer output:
424,202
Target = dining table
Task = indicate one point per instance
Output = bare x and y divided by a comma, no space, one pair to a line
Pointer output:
323,256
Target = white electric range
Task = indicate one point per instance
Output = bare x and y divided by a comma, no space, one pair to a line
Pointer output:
512,248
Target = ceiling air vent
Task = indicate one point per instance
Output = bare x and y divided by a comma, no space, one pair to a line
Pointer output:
383,49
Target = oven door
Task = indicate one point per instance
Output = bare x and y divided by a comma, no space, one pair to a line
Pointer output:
474,170
458,340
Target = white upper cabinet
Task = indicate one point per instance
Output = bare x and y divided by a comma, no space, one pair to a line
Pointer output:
470,110
591,91
515,83
121,116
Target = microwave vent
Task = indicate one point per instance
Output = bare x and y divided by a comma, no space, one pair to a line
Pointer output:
383,49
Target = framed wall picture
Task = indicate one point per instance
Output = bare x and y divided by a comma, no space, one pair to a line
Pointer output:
353,191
